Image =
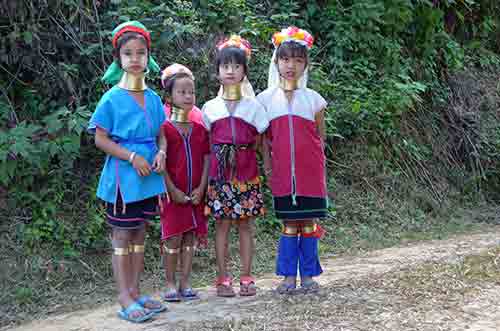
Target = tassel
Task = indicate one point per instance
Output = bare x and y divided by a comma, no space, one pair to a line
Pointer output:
160,203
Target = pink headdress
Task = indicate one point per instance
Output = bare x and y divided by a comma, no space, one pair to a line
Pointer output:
172,70
293,33
238,42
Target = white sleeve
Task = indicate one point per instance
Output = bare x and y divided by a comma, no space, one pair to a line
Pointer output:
318,102
261,115
205,118
261,121
261,100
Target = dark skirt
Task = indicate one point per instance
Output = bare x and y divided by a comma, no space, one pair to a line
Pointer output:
305,208
234,200
133,215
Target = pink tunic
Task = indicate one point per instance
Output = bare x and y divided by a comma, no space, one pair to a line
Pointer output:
240,128
298,159
185,158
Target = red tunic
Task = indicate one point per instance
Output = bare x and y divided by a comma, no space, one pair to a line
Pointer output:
185,158
246,159
239,128
298,159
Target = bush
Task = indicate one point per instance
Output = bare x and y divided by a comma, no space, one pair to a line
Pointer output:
376,61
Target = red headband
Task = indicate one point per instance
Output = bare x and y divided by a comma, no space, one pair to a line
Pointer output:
131,28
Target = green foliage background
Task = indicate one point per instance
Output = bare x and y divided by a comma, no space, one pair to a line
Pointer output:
385,66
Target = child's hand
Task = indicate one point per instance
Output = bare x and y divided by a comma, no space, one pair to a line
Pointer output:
196,195
141,165
178,196
159,162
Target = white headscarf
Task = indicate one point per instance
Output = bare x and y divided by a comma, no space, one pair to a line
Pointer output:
290,34
274,77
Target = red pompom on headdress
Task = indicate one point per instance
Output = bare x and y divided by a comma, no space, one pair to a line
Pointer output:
293,33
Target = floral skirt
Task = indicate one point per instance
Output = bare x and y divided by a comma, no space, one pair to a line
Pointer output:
234,200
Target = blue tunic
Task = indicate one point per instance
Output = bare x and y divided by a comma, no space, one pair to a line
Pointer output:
136,129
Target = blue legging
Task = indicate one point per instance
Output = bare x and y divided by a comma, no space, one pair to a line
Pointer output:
295,250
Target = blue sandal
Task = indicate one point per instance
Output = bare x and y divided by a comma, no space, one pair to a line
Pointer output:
126,313
189,294
171,295
143,300
285,288
310,287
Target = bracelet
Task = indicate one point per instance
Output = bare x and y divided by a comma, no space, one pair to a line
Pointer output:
131,157
161,151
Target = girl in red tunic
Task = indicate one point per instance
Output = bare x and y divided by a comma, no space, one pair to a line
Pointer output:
182,218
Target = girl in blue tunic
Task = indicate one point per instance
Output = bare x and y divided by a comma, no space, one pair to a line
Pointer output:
126,124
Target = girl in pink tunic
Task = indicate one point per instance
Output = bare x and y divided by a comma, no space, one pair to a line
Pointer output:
235,120
183,218
294,158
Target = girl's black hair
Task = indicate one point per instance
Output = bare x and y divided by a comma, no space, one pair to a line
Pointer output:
291,49
231,55
124,38
170,82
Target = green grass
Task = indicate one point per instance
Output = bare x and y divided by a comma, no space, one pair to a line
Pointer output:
445,281
349,238
372,209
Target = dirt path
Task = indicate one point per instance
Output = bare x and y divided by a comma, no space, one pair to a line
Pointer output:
359,293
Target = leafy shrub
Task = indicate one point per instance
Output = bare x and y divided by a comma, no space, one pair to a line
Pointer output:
376,61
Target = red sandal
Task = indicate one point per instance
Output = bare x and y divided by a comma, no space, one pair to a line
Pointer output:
224,287
247,286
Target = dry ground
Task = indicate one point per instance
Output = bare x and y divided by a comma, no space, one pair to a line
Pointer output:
451,284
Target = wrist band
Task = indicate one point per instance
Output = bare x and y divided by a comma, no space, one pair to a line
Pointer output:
131,157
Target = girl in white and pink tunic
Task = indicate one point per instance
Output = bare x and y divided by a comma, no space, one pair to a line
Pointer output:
294,159
235,120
